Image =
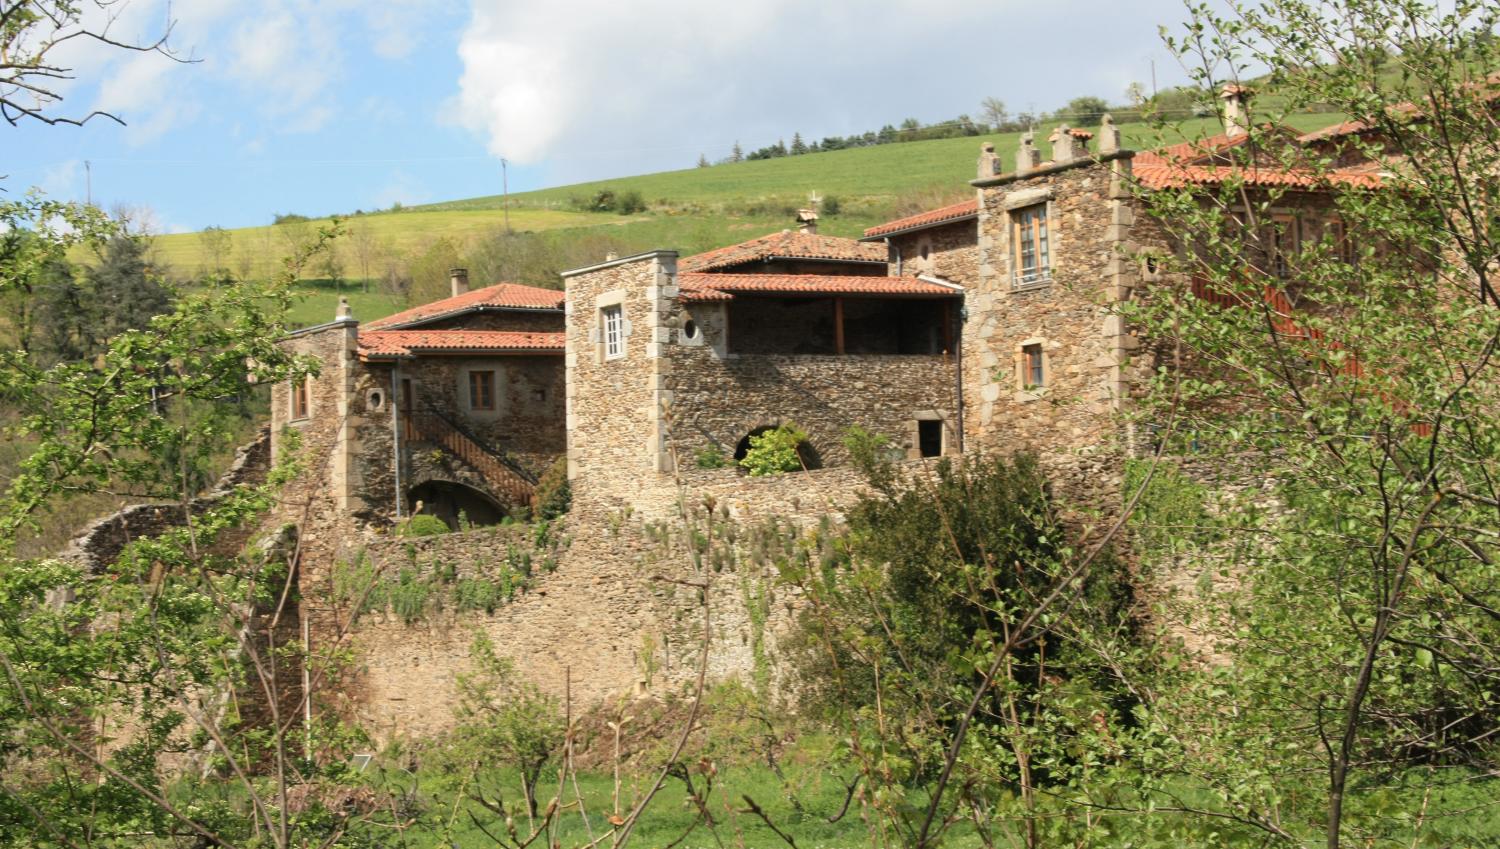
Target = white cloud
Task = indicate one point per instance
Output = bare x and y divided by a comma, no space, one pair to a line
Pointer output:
593,86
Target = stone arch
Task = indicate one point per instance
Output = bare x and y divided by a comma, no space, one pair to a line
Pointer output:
448,499
811,457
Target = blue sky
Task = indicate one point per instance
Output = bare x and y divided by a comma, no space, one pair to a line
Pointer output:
319,107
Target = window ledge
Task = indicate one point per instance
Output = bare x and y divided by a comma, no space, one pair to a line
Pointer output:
1024,396
1039,283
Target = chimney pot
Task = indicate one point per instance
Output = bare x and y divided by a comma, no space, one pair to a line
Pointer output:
807,221
1065,146
1027,155
459,277
989,163
1236,109
1109,134
344,311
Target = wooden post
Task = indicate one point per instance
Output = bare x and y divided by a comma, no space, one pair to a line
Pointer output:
838,325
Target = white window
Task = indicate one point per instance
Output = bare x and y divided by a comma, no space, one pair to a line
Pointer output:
613,320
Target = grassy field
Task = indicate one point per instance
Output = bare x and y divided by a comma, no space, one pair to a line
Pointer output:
693,209
185,254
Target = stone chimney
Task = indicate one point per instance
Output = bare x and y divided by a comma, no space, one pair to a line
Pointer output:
459,277
1236,109
989,163
344,312
1109,135
807,221
1027,156
1066,147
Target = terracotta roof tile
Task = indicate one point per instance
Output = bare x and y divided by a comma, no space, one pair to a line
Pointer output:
723,287
383,344
1160,175
788,244
932,217
500,296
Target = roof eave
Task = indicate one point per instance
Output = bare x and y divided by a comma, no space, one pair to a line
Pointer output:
479,308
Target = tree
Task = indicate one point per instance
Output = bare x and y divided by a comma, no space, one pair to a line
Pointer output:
363,245
218,245
1086,111
799,147
1356,370
703,161
34,37
994,113
503,716
736,154
125,291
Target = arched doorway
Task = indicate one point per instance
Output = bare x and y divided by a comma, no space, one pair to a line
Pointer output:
808,452
456,504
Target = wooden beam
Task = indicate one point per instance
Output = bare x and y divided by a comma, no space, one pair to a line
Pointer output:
838,325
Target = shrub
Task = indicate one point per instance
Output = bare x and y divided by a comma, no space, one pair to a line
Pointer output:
553,494
832,205
421,525
711,458
775,451
630,202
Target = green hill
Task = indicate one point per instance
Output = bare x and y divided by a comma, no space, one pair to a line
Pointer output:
690,210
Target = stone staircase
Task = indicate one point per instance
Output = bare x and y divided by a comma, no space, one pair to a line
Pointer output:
506,477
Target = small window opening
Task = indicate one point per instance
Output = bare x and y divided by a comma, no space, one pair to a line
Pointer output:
481,390
690,329
614,332
1034,373
376,401
930,437
926,250
1151,264
299,399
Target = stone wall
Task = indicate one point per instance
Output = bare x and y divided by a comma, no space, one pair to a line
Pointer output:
952,253
527,422
718,401
100,543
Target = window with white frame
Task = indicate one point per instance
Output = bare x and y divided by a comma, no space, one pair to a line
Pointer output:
612,320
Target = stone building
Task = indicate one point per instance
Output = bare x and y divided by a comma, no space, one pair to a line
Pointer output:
990,325
456,405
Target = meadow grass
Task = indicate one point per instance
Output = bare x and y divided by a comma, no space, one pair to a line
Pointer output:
693,209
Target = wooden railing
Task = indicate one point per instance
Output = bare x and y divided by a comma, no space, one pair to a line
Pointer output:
504,477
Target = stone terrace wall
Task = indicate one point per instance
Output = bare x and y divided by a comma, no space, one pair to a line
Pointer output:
718,400
102,541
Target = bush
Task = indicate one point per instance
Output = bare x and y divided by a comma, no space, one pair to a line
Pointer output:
421,525
630,202
775,451
711,458
553,494
832,205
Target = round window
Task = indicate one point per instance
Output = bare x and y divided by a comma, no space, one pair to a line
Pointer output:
690,329
375,400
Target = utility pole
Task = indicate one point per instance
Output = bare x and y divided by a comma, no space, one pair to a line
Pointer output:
1153,77
88,182
505,187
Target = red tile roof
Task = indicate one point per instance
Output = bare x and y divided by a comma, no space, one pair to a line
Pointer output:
513,296
788,244
723,287
930,218
385,344
1160,175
